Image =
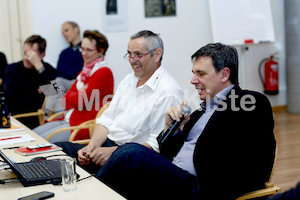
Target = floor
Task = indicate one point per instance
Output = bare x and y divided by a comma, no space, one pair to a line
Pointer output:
287,134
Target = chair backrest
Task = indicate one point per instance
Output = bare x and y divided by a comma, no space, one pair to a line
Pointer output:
40,113
91,125
270,188
274,164
100,112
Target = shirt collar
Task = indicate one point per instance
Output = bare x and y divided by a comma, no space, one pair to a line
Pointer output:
76,47
219,96
152,82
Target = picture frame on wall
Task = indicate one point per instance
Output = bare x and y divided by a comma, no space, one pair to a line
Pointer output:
160,8
115,15
111,7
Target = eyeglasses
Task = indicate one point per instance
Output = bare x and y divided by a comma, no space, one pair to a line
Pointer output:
88,51
136,57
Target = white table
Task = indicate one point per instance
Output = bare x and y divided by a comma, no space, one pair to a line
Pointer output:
90,188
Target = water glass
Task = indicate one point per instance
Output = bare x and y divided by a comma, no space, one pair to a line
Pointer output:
68,174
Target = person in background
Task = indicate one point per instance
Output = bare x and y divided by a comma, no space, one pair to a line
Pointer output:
225,149
136,111
3,65
70,60
87,95
69,65
23,79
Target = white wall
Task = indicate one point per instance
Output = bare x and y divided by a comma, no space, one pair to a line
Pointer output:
182,36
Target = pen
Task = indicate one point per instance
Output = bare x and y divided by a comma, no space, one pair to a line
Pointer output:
10,138
11,147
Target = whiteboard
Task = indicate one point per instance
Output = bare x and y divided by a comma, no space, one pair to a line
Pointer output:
238,22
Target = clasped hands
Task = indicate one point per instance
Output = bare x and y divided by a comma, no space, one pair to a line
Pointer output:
99,155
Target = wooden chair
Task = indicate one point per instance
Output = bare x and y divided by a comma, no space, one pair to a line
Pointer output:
40,113
270,189
90,125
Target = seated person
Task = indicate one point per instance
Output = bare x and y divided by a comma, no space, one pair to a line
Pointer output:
3,65
69,65
85,98
23,79
136,111
226,147
70,60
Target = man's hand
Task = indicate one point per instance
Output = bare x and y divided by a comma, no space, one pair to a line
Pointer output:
84,155
34,59
175,113
40,91
100,155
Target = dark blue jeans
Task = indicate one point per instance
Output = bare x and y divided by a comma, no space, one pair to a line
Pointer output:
71,149
137,172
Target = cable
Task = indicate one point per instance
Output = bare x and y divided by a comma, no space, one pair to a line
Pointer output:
56,155
8,179
85,177
12,180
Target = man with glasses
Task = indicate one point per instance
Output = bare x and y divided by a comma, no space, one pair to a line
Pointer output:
136,112
222,150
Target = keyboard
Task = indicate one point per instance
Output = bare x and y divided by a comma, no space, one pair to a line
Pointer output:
35,169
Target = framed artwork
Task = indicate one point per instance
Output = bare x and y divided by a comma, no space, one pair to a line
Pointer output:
159,8
115,15
111,7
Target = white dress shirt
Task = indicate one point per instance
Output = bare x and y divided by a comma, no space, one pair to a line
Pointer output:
137,114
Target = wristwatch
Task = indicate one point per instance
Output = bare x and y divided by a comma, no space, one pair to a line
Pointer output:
40,70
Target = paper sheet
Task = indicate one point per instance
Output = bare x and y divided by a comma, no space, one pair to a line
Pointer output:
14,127
15,139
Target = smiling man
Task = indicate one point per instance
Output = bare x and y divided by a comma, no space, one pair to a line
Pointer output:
219,153
136,112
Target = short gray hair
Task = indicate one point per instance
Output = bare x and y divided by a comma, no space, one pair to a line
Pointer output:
153,41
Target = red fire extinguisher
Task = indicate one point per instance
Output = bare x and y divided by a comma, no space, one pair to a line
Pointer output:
270,80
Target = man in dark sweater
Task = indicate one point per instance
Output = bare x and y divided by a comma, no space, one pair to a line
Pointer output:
23,79
69,65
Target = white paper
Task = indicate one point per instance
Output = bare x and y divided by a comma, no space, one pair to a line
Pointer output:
15,139
14,127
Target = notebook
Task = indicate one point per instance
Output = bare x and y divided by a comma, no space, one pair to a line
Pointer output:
35,173
37,149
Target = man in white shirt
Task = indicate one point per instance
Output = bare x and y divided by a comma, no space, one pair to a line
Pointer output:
136,113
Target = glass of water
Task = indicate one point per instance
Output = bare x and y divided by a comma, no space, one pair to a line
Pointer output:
68,174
